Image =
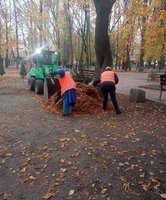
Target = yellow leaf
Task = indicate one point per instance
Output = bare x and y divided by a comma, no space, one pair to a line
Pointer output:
64,139
62,145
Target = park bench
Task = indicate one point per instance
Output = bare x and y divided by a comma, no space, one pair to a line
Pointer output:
162,84
86,76
155,74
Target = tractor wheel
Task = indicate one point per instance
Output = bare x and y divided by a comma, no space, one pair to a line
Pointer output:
31,83
39,86
50,88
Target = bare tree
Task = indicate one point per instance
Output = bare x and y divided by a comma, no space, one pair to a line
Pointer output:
6,19
16,31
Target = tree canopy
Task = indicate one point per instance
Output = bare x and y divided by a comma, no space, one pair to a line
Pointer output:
85,32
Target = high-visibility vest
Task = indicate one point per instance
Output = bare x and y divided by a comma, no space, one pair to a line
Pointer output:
107,76
66,83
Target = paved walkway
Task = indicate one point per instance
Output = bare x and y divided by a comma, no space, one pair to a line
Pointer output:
128,80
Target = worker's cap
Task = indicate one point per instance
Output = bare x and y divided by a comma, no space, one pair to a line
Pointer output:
108,67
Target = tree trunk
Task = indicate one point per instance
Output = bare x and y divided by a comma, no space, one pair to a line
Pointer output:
16,31
41,25
7,44
7,59
117,49
58,32
128,59
87,36
55,10
141,61
24,39
161,64
69,23
102,43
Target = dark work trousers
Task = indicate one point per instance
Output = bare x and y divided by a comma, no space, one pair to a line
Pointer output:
108,88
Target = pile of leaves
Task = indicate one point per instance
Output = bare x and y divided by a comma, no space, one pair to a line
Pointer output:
1,78
88,102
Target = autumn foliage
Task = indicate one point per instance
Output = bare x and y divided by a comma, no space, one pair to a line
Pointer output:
88,102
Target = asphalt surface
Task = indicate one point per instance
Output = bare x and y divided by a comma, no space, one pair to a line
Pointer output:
139,80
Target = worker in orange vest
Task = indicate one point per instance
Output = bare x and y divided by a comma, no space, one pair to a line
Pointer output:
68,91
108,80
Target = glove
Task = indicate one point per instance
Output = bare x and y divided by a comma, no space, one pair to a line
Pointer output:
90,83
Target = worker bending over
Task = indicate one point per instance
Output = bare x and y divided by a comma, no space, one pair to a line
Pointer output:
68,91
108,80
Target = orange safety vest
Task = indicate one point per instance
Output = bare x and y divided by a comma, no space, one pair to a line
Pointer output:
66,83
107,76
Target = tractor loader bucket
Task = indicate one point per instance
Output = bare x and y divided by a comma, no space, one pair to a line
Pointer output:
50,87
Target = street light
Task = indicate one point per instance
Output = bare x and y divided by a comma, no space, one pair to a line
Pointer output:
38,50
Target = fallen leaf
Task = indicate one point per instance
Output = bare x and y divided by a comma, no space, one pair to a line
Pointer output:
122,178
142,175
163,196
121,164
23,170
6,196
77,173
62,160
45,166
56,182
45,148
62,145
8,154
25,162
127,187
71,192
64,139
48,195
63,170
103,191
32,178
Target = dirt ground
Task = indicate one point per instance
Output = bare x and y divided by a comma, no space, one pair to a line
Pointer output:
100,156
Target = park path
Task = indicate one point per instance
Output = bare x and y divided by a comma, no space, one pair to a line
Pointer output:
130,80
91,157
127,80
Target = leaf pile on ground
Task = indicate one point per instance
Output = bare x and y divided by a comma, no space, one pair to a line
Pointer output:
11,79
88,102
2,79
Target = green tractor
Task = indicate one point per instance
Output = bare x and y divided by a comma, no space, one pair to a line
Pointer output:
39,75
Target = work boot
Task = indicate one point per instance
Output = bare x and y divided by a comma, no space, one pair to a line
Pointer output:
104,108
64,115
118,112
